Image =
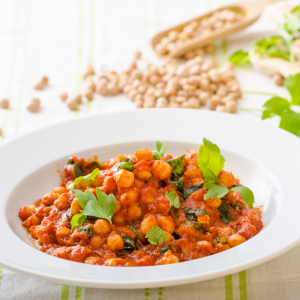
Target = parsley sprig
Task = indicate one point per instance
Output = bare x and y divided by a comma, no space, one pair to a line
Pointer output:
103,206
156,235
88,177
173,199
161,149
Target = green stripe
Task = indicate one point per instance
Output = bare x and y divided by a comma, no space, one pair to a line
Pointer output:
0,275
228,287
243,285
147,294
65,292
160,293
23,67
78,293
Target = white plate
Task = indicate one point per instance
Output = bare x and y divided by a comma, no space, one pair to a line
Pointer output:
265,158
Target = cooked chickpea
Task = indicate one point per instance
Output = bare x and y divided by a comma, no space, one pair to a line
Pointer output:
112,262
26,211
62,202
161,170
213,202
75,207
124,179
148,223
93,260
221,247
60,190
119,217
49,198
235,240
227,179
204,220
134,212
63,231
166,223
129,197
143,154
193,172
169,236
142,174
115,242
4,103
96,241
109,185
31,221
169,258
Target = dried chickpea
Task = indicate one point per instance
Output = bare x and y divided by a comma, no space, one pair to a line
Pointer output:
231,106
34,105
63,97
4,103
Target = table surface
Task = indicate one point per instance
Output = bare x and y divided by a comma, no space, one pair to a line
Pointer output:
59,39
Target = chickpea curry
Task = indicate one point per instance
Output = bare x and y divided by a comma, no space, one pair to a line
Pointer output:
145,209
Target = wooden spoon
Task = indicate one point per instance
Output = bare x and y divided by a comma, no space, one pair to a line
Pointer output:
250,11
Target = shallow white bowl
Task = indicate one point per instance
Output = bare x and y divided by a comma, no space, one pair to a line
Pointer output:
265,158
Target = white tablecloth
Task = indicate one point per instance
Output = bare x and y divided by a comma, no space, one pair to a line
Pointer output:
58,39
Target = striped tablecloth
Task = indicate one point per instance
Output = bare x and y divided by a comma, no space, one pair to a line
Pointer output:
58,39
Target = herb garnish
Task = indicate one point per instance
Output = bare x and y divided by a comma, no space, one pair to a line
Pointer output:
223,213
179,185
161,149
192,189
129,243
239,57
87,229
173,199
192,213
126,165
166,248
88,177
177,166
196,225
156,235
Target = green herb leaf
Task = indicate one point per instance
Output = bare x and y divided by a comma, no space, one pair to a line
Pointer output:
196,225
292,83
88,230
192,214
177,165
77,220
245,193
239,57
275,106
223,213
84,197
166,248
193,189
295,9
173,199
128,243
156,235
126,165
215,191
88,177
290,121
161,149
209,157
179,185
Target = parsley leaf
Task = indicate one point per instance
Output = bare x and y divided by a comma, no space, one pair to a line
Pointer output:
295,9
173,200
156,235
292,83
161,149
88,230
77,220
193,189
245,193
177,165
210,158
239,57
179,185
275,106
126,165
290,121
84,197
88,177
215,191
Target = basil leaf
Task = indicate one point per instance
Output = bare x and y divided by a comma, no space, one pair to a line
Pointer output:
192,213
196,225
223,213
177,165
245,193
239,57
156,235
161,149
77,220
290,121
215,191
179,184
292,83
193,189
209,175
275,106
209,157
88,230
166,248
173,200
129,243
126,165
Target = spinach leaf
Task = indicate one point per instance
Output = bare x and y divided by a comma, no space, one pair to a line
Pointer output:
173,200
179,185
126,165
129,243
192,213
223,213
192,189
88,230
166,248
177,165
196,225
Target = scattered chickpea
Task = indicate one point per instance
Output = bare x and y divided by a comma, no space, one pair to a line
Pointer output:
34,105
278,79
137,54
63,97
89,71
73,102
4,103
42,83
1,132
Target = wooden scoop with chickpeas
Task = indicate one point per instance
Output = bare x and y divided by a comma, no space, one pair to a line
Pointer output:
208,28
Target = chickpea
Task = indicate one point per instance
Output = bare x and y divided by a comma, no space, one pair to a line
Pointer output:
63,231
166,223
143,154
221,108
129,197
193,172
4,103
93,260
124,179
26,211
221,247
169,258
235,240
119,217
62,202
31,221
112,262
109,185
161,102
169,236
142,174
161,170
75,207
148,223
60,190
134,212
204,220
34,105
137,54
227,179
231,106
96,241
49,198
115,242
101,88
213,202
